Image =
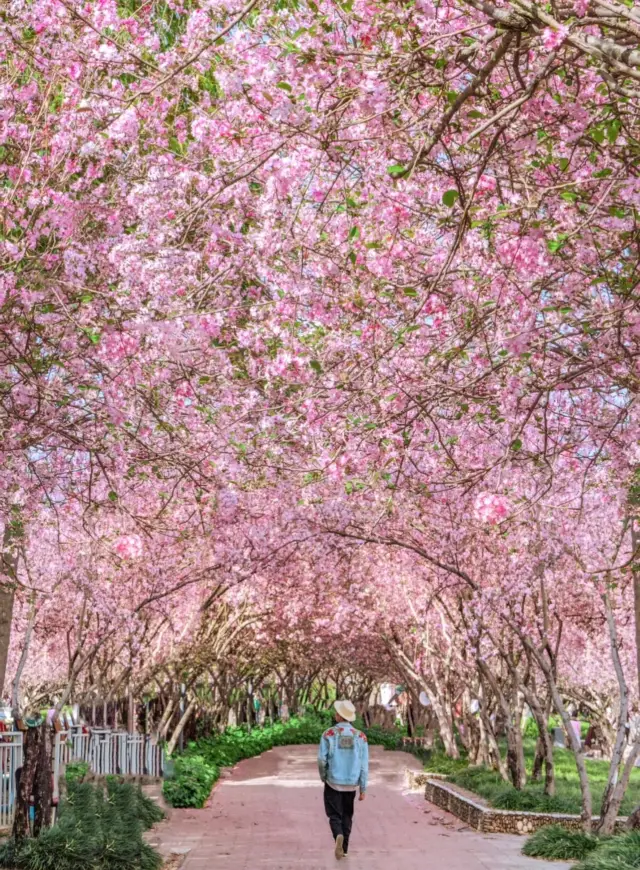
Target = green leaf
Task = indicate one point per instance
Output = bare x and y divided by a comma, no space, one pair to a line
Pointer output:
316,366
474,113
176,146
396,169
113,496
354,232
450,197
613,130
516,444
92,335
569,196
555,245
563,163
410,291
284,86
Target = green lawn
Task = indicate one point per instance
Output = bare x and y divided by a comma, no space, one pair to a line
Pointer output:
499,794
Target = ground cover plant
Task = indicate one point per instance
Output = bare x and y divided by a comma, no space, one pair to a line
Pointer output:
99,827
556,843
617,853
501,795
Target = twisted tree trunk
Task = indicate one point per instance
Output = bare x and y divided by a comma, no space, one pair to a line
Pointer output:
26,777
43,782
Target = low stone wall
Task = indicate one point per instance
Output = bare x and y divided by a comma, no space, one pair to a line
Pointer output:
417,781
491,821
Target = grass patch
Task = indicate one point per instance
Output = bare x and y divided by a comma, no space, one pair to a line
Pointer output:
617,853
489,785
557,844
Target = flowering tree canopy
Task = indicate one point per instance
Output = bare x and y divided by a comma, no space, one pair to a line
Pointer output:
320,320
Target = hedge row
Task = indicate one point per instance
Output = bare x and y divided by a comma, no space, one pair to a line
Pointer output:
198,769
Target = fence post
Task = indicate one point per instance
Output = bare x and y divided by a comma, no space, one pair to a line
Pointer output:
10,762
103,750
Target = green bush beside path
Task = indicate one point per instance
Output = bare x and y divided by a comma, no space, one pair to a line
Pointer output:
499,794
197,770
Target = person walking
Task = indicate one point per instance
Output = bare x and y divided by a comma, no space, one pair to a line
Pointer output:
343,762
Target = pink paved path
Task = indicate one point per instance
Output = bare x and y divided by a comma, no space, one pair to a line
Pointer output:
267,814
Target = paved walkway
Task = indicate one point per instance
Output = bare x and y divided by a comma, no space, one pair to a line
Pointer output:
267,814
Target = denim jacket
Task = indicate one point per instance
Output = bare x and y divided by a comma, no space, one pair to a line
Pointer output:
343,756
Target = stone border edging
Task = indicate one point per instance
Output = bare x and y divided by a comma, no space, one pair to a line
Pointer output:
486,819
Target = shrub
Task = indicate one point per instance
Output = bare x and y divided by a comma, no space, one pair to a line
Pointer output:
441,763
489,785
192,782
198,769
558,844
530,730
617,853
530,801
96,829
76,771
390,740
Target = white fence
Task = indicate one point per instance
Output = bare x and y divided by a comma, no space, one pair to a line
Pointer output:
105,751
110,752
10,761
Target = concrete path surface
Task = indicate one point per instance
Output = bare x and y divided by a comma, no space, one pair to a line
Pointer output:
267,814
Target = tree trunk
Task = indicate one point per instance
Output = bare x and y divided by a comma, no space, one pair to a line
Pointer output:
163,725
614,793
633,822
520,767
574,743
544,746
171,745
445,725
493,747
635,543
43,784
27,776
8,567
512,718
609,813
131,713
538,761
515,757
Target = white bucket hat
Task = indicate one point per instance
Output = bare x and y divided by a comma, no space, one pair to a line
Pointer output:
345,709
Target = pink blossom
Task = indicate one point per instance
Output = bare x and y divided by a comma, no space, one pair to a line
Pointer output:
552,39
490,509
126,127
129,547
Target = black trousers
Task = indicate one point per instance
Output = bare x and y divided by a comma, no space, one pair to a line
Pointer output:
338,805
